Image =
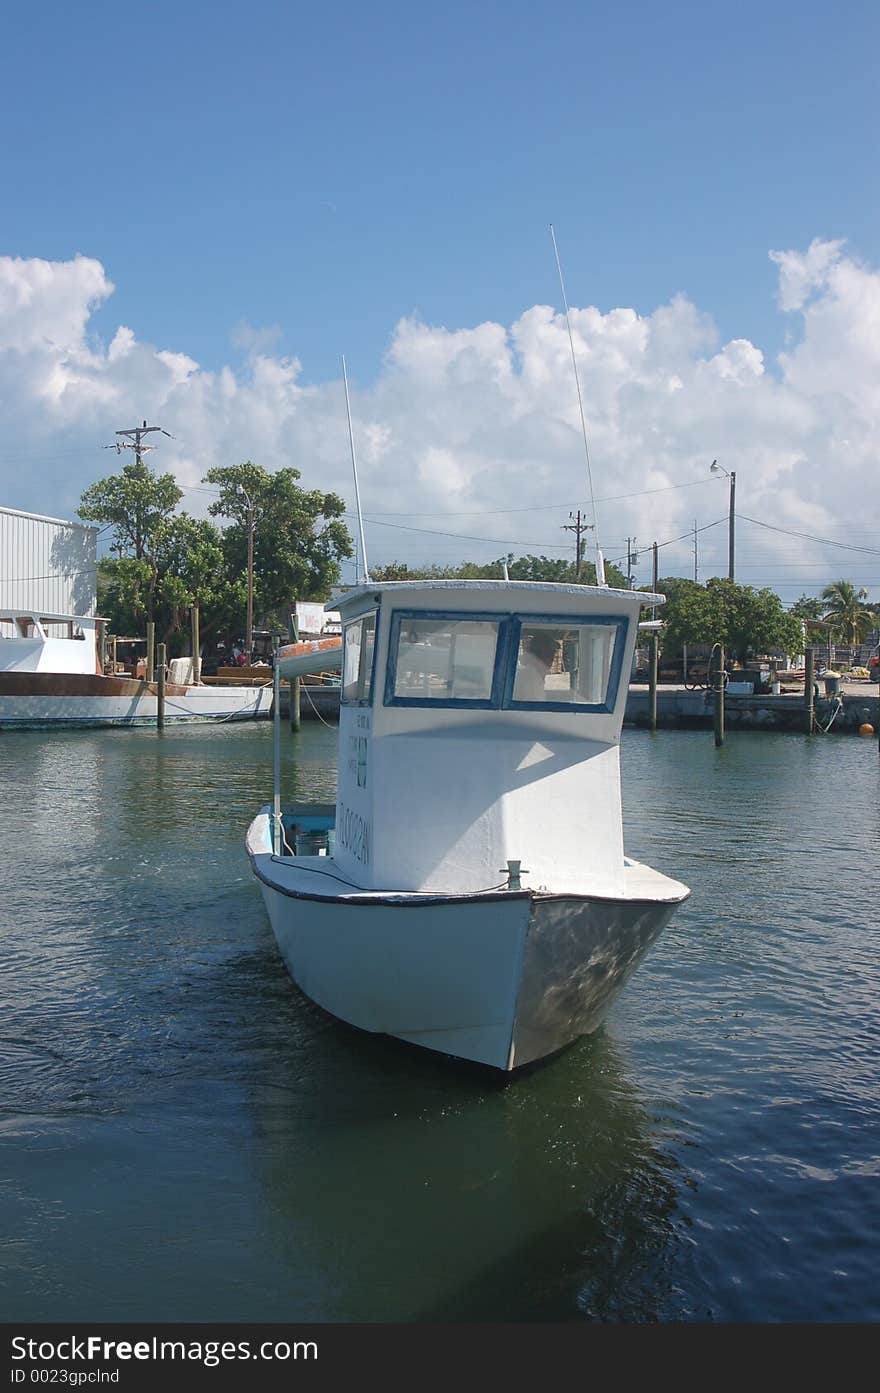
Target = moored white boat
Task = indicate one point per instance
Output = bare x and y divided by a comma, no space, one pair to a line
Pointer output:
53,679
311,655
479,730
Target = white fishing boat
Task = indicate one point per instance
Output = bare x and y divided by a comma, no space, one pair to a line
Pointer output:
50,676
469,890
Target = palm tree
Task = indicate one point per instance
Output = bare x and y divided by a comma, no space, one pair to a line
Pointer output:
846,614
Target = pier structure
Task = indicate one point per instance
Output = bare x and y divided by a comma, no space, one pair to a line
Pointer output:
680,709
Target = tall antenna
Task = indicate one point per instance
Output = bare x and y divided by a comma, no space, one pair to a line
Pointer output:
600,560
357,492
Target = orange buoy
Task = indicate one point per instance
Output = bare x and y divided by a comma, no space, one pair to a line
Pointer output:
866,728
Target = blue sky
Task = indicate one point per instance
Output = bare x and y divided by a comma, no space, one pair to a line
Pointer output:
330,172
266,182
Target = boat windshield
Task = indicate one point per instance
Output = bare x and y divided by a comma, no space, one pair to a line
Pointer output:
359,643
449,659
504,661
564,663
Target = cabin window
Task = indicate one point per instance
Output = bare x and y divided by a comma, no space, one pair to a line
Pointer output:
359,645
560,663
447,659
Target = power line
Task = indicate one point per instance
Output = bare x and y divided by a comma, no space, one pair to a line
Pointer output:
460,536
806,536
542,507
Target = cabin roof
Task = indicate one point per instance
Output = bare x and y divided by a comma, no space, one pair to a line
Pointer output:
23,612
491,588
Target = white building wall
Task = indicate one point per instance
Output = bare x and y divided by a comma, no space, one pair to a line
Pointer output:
47,564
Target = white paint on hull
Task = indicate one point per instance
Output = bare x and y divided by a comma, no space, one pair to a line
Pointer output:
198,704
498,978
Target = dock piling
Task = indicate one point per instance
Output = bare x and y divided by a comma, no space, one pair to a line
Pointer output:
809,689
655,655
719,695
160,687
276,754
151,652
197,661
294,713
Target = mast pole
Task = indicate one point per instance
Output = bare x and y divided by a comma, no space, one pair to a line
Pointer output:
600,560
357,492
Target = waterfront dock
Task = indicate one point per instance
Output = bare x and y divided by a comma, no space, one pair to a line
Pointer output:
680,709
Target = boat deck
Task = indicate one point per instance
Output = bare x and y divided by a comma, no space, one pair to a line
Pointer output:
313,873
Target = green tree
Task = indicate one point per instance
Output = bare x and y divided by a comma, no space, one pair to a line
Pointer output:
135,503
299,538
747,621
193,571
847,616
189,569
809,608
518,568
809,611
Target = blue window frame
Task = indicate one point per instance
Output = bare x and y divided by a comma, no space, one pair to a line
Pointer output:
358,660
443,658
440,658
578,656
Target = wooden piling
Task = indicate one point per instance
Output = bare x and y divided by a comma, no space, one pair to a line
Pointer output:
160,687
652,692
655,650
151,650
294,713
276,754
719,697
809,690
197,661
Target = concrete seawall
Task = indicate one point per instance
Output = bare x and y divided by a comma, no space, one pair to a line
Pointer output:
680,709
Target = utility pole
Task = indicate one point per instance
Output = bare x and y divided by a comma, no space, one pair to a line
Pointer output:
134,441
695,549
632,559
578,528
249,636
717,468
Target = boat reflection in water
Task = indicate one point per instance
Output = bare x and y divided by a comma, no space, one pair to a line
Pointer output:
416,1192
469,891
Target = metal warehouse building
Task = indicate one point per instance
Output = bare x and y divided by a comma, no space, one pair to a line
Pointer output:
47,564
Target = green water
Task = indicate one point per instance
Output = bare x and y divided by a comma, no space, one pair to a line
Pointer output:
185,1137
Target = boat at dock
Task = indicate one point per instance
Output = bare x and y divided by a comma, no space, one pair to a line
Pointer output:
51,677
308,656
469,890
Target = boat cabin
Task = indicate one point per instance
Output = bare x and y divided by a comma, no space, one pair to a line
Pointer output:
480,725
58,643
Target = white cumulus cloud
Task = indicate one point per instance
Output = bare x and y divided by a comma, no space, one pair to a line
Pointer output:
475,430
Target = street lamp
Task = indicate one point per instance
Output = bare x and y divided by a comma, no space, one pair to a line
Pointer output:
717,468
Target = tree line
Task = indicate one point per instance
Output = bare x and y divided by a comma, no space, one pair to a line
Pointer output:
163,561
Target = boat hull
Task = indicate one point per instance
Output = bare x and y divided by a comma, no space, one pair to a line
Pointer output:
499,978
39,701
309,656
